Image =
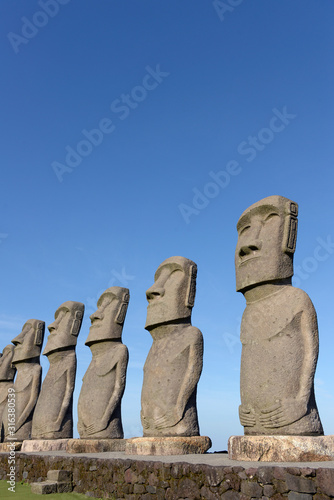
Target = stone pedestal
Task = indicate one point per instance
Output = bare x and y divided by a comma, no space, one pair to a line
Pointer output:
281,448
10,446
44,445
95,445
167,445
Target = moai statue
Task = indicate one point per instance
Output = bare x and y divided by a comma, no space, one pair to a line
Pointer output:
99,405
279,332
174,362
53,414
28,379
7,374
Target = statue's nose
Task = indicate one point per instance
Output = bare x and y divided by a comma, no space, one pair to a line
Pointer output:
154,292
96,315
252,247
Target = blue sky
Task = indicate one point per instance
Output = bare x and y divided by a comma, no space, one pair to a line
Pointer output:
201,109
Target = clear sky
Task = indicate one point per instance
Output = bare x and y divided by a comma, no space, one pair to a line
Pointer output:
135,131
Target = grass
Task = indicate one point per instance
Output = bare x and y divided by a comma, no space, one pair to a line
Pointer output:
23,492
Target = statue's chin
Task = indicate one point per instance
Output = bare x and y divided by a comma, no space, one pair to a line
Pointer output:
153,321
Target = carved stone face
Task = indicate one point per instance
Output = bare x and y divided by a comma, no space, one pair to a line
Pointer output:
7,371
172,295
65,329
29,343
267,234
107,321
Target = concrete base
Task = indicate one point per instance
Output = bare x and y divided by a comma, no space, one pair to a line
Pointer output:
281,448
95,445
10,446
44,445
167,445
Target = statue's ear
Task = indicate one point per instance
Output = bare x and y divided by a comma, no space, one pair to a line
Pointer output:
39,335
290,227
76,323
122,309
190,300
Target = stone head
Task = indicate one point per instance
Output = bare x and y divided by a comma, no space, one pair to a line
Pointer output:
107,321
172,295
28,344
7,370
267,233
65,329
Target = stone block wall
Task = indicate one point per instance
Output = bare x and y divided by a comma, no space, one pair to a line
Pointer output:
139,479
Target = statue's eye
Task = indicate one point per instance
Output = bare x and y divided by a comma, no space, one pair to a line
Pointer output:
60,316
270,216
242,230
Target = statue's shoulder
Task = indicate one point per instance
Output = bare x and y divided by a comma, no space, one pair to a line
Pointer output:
193,334
121,350
271,316
107,362
298,298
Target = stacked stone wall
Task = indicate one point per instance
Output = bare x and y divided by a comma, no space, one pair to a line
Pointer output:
141,479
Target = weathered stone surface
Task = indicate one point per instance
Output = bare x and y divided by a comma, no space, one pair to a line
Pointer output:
188,488
279,473
174,363
265,474
295,471
307,471
168,445
280,486
325,479
7,374
281,448
30,445
230,495
320,496
53,413
251,489
95,445
99,404
206,493
64,487
300,484
214,477
44,488
279,331
63,476
268,490
139,489
28,380
10,446
299,496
